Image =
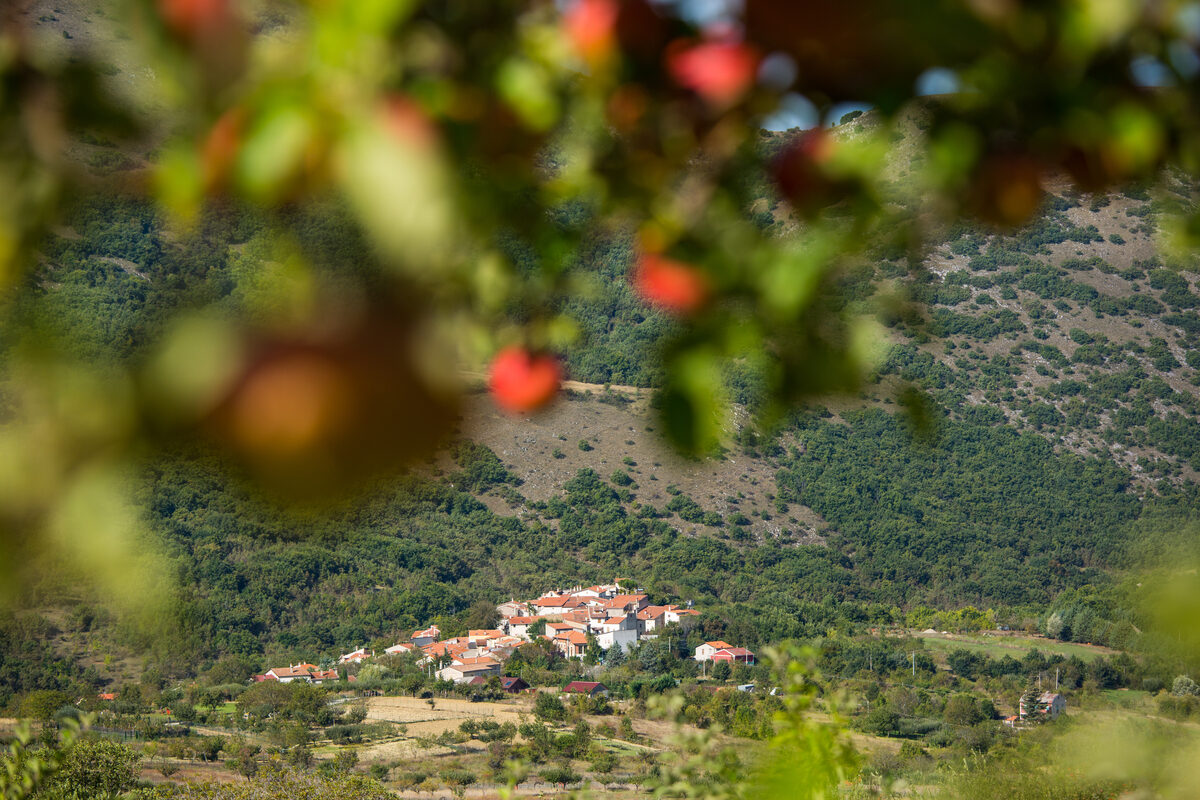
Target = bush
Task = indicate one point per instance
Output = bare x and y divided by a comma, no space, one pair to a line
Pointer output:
1183,686
548,707
562,774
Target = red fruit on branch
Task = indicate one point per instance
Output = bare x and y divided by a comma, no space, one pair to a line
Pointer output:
403,119
671,285
591,27
521,381
719,72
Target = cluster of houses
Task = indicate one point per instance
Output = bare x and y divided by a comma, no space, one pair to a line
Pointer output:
607,615
572,620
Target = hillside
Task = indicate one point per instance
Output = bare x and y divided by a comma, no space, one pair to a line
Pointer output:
1060,366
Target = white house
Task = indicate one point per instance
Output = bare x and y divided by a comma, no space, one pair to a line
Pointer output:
308,673
624,639
684,617
519,626
706,651
461,673
512,609
651,618
356,657
426,637
623,604
1049,704
554,604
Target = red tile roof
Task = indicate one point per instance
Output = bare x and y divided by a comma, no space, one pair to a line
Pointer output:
584,687
734,652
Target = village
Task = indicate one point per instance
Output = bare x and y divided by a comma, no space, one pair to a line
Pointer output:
575,621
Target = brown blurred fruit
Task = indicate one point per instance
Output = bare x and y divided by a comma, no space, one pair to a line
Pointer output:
1006,188
800,173
315,414
220,149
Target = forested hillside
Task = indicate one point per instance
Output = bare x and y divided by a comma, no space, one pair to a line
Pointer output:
1057,369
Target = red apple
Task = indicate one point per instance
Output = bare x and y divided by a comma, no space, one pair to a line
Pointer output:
671,285
408,122
521,381
591,27
720,72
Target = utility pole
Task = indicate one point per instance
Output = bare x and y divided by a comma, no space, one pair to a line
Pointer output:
914,663
1056,680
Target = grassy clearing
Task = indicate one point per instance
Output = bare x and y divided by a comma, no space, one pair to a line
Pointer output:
1129,699
1015,646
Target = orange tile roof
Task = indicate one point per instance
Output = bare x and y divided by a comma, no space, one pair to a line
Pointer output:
467,660
293,671
628,598
719,645
450,646
557,602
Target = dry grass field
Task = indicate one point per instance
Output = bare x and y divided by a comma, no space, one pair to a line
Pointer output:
422,719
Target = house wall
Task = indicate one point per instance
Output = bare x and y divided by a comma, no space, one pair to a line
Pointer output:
623,639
